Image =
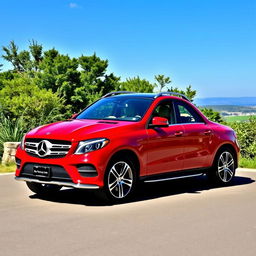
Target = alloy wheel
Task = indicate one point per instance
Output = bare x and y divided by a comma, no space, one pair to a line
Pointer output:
120,179
226,166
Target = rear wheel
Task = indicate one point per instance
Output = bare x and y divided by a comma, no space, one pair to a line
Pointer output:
43,189
224,167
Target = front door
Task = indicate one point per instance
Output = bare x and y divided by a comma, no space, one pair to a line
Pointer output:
165,144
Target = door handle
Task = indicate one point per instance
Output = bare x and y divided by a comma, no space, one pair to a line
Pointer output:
208,132
178,133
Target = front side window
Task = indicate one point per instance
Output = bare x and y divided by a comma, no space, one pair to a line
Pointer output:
186,114
117,108
165,109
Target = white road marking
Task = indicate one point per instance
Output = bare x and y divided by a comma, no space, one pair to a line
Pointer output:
246,170
8,173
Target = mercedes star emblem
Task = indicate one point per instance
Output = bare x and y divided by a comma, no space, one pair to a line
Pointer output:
42,148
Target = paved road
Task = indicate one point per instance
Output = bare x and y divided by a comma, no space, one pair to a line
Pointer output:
171,218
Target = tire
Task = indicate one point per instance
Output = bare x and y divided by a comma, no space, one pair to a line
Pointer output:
43,189
224,167
120,181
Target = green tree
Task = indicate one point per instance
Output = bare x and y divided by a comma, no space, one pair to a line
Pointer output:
25,63
79,80
21,97
36,51
136,84
246,134
25,60
188,92
212,115
7,75
162,82
58,72
12,55
95,82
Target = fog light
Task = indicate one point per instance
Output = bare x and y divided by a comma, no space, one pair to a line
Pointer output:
87,170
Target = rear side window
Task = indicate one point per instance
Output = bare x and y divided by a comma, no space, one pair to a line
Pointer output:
186,114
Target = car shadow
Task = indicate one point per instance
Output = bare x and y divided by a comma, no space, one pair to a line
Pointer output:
146,191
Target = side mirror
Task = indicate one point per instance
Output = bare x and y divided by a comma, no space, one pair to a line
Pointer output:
74,116
159,122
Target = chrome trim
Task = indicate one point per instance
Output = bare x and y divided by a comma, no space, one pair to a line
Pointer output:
48,151
116,93
192,123
87,171
169,125
29,150
31,144
186,123
61,146
60,183
174,178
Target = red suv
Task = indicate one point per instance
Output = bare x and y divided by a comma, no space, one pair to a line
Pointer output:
124,138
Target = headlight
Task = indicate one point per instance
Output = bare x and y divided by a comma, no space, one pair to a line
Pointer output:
22,143
91,145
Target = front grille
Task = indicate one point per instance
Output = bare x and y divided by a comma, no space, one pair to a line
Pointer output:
58,173
44,148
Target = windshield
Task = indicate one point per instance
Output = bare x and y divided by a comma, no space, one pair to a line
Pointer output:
117,108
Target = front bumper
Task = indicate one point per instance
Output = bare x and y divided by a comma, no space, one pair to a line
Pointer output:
60,183
69,164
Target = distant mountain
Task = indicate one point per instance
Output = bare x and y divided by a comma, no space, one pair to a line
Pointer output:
237,101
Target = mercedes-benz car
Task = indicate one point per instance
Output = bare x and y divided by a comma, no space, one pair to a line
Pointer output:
123,139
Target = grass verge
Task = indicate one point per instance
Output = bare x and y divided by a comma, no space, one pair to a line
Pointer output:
247,163
7,168
236,118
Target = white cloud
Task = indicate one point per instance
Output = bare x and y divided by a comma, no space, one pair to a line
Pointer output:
73,5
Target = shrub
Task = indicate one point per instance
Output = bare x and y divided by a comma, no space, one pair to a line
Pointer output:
246,134
212,115
21,97
10,130
136,84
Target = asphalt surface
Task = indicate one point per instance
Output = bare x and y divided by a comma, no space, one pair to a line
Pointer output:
186,217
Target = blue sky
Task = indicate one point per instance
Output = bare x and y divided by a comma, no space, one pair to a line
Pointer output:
210,44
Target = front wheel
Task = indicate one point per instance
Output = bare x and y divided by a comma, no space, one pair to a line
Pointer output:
120,180
224,167
43,189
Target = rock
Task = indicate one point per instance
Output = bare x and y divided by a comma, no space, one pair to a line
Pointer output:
9,152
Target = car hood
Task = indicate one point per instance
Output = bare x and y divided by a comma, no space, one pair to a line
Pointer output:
77,129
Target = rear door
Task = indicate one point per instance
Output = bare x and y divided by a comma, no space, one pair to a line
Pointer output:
196,137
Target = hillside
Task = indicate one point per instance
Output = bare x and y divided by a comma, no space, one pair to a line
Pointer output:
232,108
224,101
